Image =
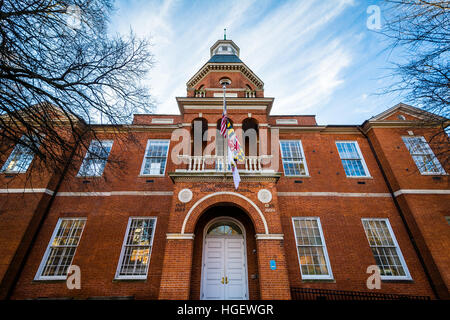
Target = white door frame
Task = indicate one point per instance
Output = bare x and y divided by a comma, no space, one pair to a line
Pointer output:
205,230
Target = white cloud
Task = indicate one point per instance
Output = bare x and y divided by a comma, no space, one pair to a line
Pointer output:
289,47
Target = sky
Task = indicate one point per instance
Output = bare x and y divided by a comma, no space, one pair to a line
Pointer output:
314,56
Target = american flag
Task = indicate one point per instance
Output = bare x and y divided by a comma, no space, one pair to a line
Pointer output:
223,124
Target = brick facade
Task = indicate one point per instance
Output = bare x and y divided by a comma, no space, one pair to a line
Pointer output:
414,204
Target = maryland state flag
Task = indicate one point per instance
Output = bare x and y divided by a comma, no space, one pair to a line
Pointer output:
233,143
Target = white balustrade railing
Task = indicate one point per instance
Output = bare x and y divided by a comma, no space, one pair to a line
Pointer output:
213,163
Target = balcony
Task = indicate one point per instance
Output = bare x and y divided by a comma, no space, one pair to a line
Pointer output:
213,166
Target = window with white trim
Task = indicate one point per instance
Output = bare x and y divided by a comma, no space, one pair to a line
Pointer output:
293,158
136,250
61,249
352,159
155,158
20,158
423,156
96,157
385,249
311,248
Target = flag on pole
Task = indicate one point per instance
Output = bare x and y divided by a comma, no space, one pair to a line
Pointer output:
223,124
233,143
234,170
234,148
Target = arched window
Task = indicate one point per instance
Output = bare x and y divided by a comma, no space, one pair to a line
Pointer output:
197,125
250,137
200,92
224,228
249,92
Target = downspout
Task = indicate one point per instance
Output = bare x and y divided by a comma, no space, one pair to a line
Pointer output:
41,222
402,216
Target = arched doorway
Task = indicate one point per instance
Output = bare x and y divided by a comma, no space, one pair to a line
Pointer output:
231,213
224,262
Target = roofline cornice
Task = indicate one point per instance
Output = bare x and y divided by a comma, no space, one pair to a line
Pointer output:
369,124
182,101
231,66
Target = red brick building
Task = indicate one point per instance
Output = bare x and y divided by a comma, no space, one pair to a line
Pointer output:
316,205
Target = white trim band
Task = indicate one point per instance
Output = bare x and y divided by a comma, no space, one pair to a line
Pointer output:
114,193
27,190
332,194
273,236
180,236
420,191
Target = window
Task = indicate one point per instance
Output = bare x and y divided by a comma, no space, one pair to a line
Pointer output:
61,249
20,158
155,157
423,156
293,158
96,157
311,249
385,249
136,249
224,229
352,159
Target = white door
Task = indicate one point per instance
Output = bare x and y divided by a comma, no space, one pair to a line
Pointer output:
224,268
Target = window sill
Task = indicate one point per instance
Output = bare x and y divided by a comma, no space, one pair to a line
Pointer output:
397,279
130,279
433,174
87,177
55,280
296,177
13,172
360,177
331,280
151,175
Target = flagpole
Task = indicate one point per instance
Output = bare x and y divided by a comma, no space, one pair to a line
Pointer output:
224,82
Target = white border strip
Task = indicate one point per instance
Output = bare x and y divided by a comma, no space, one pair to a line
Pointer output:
420,191
332,194
114,193
272,236
27,190
180,236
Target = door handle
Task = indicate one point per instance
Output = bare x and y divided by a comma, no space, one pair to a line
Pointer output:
226,280
222,280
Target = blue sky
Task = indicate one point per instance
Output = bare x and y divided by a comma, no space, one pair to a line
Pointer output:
314,56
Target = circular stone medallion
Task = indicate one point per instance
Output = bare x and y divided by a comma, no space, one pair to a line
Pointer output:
185,195
264,195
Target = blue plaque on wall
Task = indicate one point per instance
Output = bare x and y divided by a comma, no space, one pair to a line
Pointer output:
273,265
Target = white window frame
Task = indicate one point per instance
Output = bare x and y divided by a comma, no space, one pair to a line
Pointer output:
85,159
407,275
10,158
329,276
145,156
38,275
430,153
124,244
303,155
363,162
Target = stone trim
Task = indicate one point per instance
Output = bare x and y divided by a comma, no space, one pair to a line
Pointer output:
272,236
333,194
180,236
